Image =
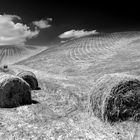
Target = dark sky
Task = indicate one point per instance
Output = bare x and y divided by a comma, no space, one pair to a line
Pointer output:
102,16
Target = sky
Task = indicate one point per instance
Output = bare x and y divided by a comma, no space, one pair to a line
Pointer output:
43,22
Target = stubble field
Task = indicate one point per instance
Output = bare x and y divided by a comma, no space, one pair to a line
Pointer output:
68,76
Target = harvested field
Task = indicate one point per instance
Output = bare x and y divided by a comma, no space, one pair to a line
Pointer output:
88,55
10,54
116,97
68,74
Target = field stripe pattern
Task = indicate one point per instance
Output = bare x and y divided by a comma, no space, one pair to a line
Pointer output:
99,48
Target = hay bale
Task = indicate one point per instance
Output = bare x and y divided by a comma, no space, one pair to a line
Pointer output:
30,78
14,91
116,98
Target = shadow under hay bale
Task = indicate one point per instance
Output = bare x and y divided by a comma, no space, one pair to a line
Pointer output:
116,98
34,102
14,91
30,78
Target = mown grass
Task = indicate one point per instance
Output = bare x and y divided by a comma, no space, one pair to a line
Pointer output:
64,110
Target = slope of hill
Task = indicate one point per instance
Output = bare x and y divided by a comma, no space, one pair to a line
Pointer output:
116,52
67,75
10,54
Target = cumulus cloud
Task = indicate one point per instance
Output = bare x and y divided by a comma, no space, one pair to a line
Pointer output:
14,32
43,23
76,33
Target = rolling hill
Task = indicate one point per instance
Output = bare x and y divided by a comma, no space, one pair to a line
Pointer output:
68,74
10,54
92,55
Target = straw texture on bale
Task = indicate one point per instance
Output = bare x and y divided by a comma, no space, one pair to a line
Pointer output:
14,91
116,98
30,78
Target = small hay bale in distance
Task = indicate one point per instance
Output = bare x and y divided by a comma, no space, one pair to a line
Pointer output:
116,98
14,91
30,78
7,70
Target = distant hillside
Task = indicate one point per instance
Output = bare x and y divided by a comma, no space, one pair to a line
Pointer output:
10,54
96,54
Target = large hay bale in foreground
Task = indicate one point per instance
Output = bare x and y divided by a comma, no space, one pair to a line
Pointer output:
30,78
14,91
116,97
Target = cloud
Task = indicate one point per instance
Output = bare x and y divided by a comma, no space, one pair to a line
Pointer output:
63,41
76,33
12,33
43,23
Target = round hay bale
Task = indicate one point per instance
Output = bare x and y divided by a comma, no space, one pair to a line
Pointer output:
14,91
30,78
116,98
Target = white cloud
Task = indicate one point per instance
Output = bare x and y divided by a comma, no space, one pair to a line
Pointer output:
12,33
63,41
76,33
43,23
